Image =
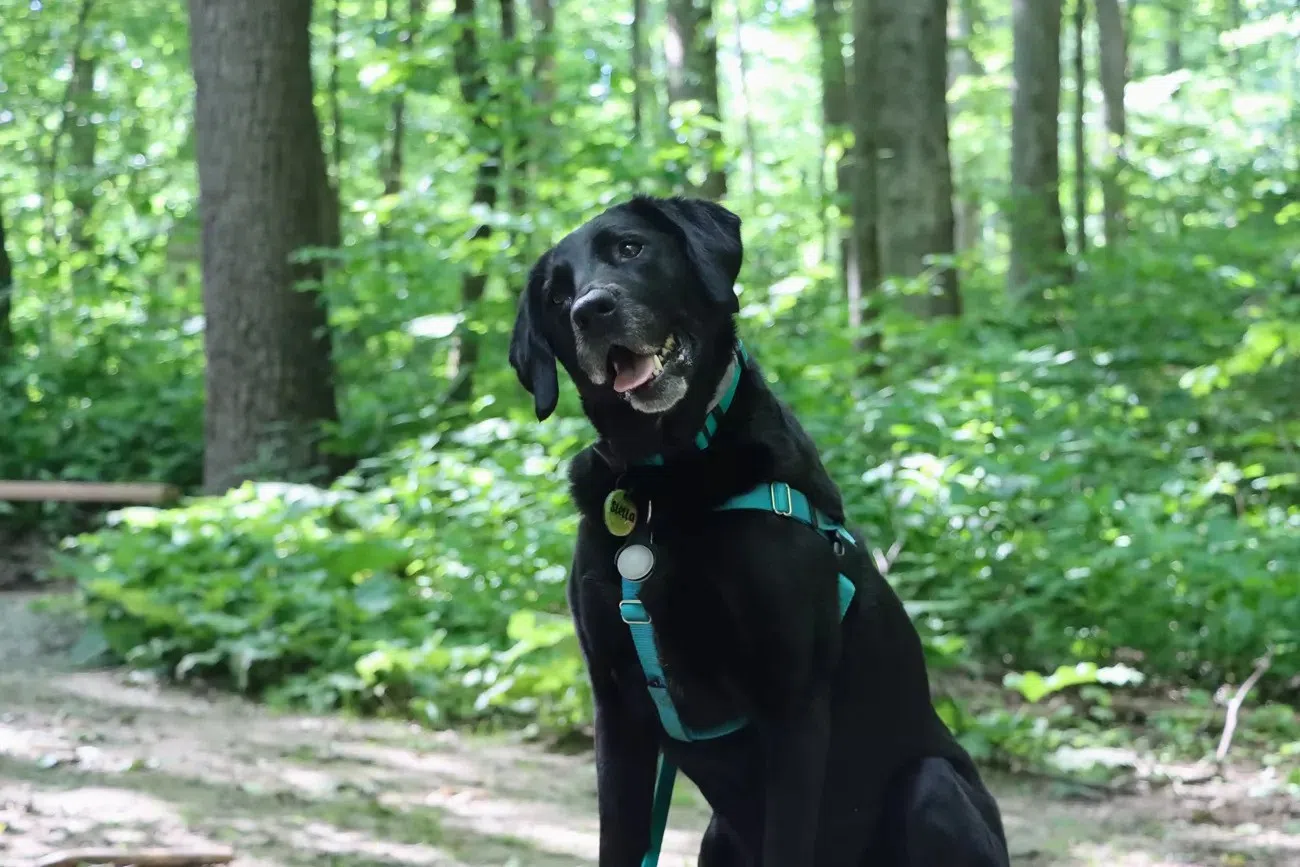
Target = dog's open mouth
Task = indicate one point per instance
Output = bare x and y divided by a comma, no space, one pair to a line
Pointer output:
633,371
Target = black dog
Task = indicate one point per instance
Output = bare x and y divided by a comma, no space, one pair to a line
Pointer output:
743,634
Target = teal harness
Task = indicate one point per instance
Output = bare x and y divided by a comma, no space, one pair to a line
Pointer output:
776,498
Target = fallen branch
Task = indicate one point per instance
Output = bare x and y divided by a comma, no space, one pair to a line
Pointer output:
1234,706
138,857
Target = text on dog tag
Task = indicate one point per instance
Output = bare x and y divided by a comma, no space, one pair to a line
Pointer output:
620,512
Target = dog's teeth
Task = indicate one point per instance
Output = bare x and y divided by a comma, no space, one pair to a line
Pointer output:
669,344
659,365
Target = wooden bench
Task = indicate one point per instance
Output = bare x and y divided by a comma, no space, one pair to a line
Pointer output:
126,493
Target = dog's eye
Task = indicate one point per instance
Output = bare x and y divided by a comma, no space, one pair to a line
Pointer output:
628,249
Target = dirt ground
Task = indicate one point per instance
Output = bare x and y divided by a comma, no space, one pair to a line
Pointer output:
107,758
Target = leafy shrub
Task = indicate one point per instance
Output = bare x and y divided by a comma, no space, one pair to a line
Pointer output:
436,591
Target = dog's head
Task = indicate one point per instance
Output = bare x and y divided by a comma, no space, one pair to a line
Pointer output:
635,304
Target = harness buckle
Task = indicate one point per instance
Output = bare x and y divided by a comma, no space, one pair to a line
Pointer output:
638,616
789,500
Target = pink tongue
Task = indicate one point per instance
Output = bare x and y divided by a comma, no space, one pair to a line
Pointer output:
634,375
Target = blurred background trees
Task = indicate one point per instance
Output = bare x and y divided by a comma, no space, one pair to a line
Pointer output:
308,225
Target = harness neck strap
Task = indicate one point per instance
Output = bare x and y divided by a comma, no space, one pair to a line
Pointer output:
720,406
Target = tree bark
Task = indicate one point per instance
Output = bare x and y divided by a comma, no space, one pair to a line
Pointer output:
6,295
1038,257
394,164
862,271
1080,129
516,122
479,98
691,49
264,195
914,172
835,130
1113,66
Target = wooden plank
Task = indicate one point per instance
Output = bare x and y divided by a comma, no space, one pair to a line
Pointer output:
138,857
135,493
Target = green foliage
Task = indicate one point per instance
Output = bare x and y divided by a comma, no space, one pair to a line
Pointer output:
1110,477
436,591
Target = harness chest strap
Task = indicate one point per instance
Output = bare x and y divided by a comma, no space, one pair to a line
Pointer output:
776,498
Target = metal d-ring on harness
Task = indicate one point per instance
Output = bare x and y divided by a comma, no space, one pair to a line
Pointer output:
635,562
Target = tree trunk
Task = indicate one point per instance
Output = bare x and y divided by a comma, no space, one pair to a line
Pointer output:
1080,129
478,97
747,117
862,271
964,63
692,52
394,165
83,141
335,88
1173,35
263,195
1114,79
914,173
6,295
1038,257
516,124
835,129
639,63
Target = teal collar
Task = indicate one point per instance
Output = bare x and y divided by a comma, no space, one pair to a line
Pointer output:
711,421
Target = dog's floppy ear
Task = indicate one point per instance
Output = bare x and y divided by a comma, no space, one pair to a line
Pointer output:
530,353
713,243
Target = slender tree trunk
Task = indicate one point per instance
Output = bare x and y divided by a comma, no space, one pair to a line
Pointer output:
478,97
6,295
964,64
1114,79
914,173
543,21
516,125
1038,257
692,53
335,88
1080,129
83,141
394,164
639,13
835,128
263,193
1236,18
747,116
1173,35
862,272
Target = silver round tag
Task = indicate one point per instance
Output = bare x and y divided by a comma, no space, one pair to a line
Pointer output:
635,562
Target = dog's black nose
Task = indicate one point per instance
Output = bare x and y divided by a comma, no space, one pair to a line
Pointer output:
592,309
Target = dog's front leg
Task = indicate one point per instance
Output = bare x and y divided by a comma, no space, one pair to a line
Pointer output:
795,753
626,760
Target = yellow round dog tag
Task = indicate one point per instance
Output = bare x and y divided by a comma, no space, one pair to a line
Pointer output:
620,512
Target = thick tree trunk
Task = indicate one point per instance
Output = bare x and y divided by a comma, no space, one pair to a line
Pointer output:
1080,129
914,173
1038,256
835,129
1114,79
6,294
692,52
263,196
862,272
478,97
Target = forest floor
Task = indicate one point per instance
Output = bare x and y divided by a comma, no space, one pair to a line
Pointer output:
110,758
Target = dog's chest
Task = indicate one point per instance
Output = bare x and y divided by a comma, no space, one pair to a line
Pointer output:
702,626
